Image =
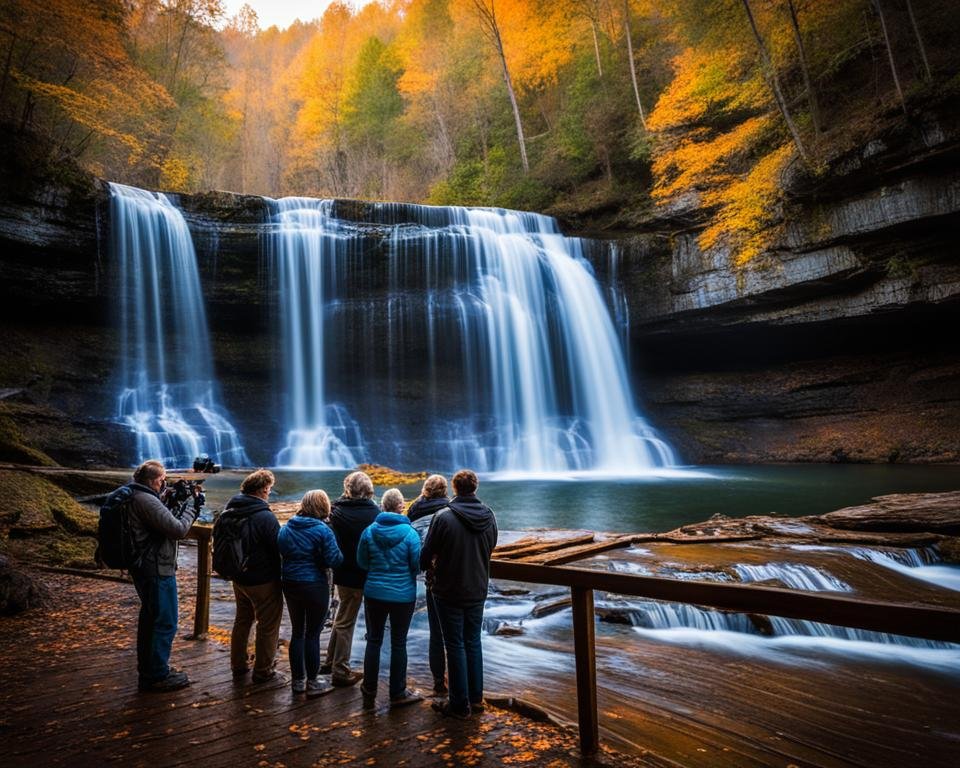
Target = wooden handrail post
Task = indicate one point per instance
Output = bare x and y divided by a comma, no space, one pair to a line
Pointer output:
201,613
584,646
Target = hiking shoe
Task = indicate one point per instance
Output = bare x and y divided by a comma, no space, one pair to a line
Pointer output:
299,686
317,688
478,707
266,677
440,688
241,671
407,697
326,669
345,681
369,698
443,708
172,682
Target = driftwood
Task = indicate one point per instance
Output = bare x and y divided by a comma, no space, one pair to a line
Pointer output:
546,545
569,554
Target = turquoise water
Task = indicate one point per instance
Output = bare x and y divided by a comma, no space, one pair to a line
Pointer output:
657,503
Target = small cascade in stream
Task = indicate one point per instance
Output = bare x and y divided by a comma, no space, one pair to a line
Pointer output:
449,337
792,575
679,622
168,395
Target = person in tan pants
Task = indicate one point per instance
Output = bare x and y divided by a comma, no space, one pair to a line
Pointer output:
352,513
257,589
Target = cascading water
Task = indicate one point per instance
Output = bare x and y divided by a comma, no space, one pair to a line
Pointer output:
455,337
168,396
309,251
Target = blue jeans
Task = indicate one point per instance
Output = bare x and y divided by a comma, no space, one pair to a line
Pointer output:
461,625
307,604
438,659
156,625
376,613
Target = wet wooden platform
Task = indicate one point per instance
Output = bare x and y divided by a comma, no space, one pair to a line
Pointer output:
68,698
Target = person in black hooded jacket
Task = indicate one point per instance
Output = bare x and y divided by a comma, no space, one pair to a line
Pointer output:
432,499
458,548
351,515
257,590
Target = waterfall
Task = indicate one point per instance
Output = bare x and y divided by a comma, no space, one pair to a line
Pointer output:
168,395
310,253
792,575
450,337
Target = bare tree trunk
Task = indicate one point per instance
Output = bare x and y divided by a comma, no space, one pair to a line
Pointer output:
920,45
633,69
6,69
805,68
488,19
596,47
893,63
775,85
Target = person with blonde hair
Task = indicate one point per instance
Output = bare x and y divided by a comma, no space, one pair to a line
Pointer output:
432,499
351,514
307,549
256,588
389,551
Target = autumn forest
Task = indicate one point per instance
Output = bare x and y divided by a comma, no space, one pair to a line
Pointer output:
555,105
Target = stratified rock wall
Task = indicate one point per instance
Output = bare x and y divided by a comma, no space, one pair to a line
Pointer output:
839,344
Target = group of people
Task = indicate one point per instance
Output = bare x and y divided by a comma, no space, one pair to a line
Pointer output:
374,552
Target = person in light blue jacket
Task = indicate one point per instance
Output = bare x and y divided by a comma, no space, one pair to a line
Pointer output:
389,550
308,548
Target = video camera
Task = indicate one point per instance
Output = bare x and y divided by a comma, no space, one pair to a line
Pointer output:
178,494
204,463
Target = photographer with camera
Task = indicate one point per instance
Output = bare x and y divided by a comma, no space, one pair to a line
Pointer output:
155,530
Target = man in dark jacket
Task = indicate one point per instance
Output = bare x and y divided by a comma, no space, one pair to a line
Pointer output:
257,590
457,548
351,515
155,531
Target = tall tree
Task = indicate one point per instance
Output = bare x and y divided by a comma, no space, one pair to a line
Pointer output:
920,44
878,6
774,78
804,67
487,13
633,66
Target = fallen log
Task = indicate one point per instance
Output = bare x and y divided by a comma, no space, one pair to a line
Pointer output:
568,555
550,545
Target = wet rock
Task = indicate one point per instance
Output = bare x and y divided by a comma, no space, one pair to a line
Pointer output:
549,607
613,615
19,589
902,512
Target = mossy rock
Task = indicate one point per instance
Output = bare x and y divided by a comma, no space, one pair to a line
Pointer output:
14,449
42,523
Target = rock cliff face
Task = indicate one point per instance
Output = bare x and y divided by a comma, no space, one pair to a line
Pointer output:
840,344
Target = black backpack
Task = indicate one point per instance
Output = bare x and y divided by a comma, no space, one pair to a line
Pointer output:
231,544
115,545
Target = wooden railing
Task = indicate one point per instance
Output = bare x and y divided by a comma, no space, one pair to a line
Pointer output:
934,623
914,620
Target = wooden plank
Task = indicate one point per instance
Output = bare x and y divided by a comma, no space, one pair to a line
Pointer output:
585,651
914,620
549,545
201,612
578,553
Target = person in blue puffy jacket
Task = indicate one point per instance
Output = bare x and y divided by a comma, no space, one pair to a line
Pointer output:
389,551
307,548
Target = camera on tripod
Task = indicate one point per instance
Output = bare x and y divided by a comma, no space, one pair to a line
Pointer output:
179,493
203,463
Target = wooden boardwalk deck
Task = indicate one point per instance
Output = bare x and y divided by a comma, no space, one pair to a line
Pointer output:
68,698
